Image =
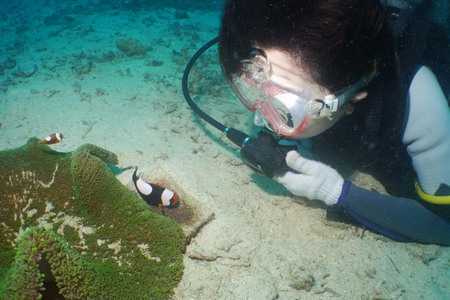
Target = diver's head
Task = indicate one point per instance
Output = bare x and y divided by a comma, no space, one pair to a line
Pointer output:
296,63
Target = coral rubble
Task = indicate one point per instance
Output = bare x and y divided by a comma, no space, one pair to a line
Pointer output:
98,238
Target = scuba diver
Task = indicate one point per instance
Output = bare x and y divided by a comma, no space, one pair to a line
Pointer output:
368,86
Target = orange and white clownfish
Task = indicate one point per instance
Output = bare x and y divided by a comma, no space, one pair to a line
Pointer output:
52,138
155,194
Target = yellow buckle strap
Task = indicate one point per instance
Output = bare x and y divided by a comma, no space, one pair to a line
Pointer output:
441,200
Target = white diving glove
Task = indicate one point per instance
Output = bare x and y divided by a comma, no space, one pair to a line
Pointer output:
315,180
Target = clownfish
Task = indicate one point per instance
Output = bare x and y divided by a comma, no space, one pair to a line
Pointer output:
154,194
52,139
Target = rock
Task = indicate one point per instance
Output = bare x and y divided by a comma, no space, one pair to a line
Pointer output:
300,278
16,48
181,14
149,21
9,63
424,253
104,57
25,71
156,63
82,67
131,47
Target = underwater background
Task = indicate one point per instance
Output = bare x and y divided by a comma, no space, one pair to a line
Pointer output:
107,75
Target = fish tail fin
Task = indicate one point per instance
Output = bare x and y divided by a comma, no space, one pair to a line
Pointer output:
135,178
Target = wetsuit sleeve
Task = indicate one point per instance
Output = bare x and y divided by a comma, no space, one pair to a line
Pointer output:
401,219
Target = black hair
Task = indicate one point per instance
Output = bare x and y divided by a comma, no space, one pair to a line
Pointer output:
337,41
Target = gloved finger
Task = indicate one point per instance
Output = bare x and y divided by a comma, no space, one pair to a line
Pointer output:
297,184
290,179
291,159
300,164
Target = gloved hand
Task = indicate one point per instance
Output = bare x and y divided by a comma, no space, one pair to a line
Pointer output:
314,181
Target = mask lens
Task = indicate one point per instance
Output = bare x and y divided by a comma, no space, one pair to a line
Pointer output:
246,92
257,69
255,73
284,113
280,111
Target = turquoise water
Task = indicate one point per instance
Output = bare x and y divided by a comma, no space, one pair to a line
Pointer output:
109,73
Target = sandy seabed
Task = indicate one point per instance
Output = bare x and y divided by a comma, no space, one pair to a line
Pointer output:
63,72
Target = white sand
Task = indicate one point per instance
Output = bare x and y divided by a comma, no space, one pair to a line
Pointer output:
261,242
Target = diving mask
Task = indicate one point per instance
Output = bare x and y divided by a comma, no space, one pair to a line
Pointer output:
282,103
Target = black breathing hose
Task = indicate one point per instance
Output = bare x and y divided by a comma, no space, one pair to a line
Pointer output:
262,154
236,136
184,83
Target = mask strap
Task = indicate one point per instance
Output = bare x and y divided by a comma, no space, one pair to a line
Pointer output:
349,92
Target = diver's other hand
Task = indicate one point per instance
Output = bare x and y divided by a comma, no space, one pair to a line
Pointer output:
314,180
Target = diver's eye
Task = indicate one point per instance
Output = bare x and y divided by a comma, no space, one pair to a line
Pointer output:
289,121
287,118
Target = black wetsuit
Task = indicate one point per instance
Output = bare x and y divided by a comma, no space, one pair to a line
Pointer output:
372,140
